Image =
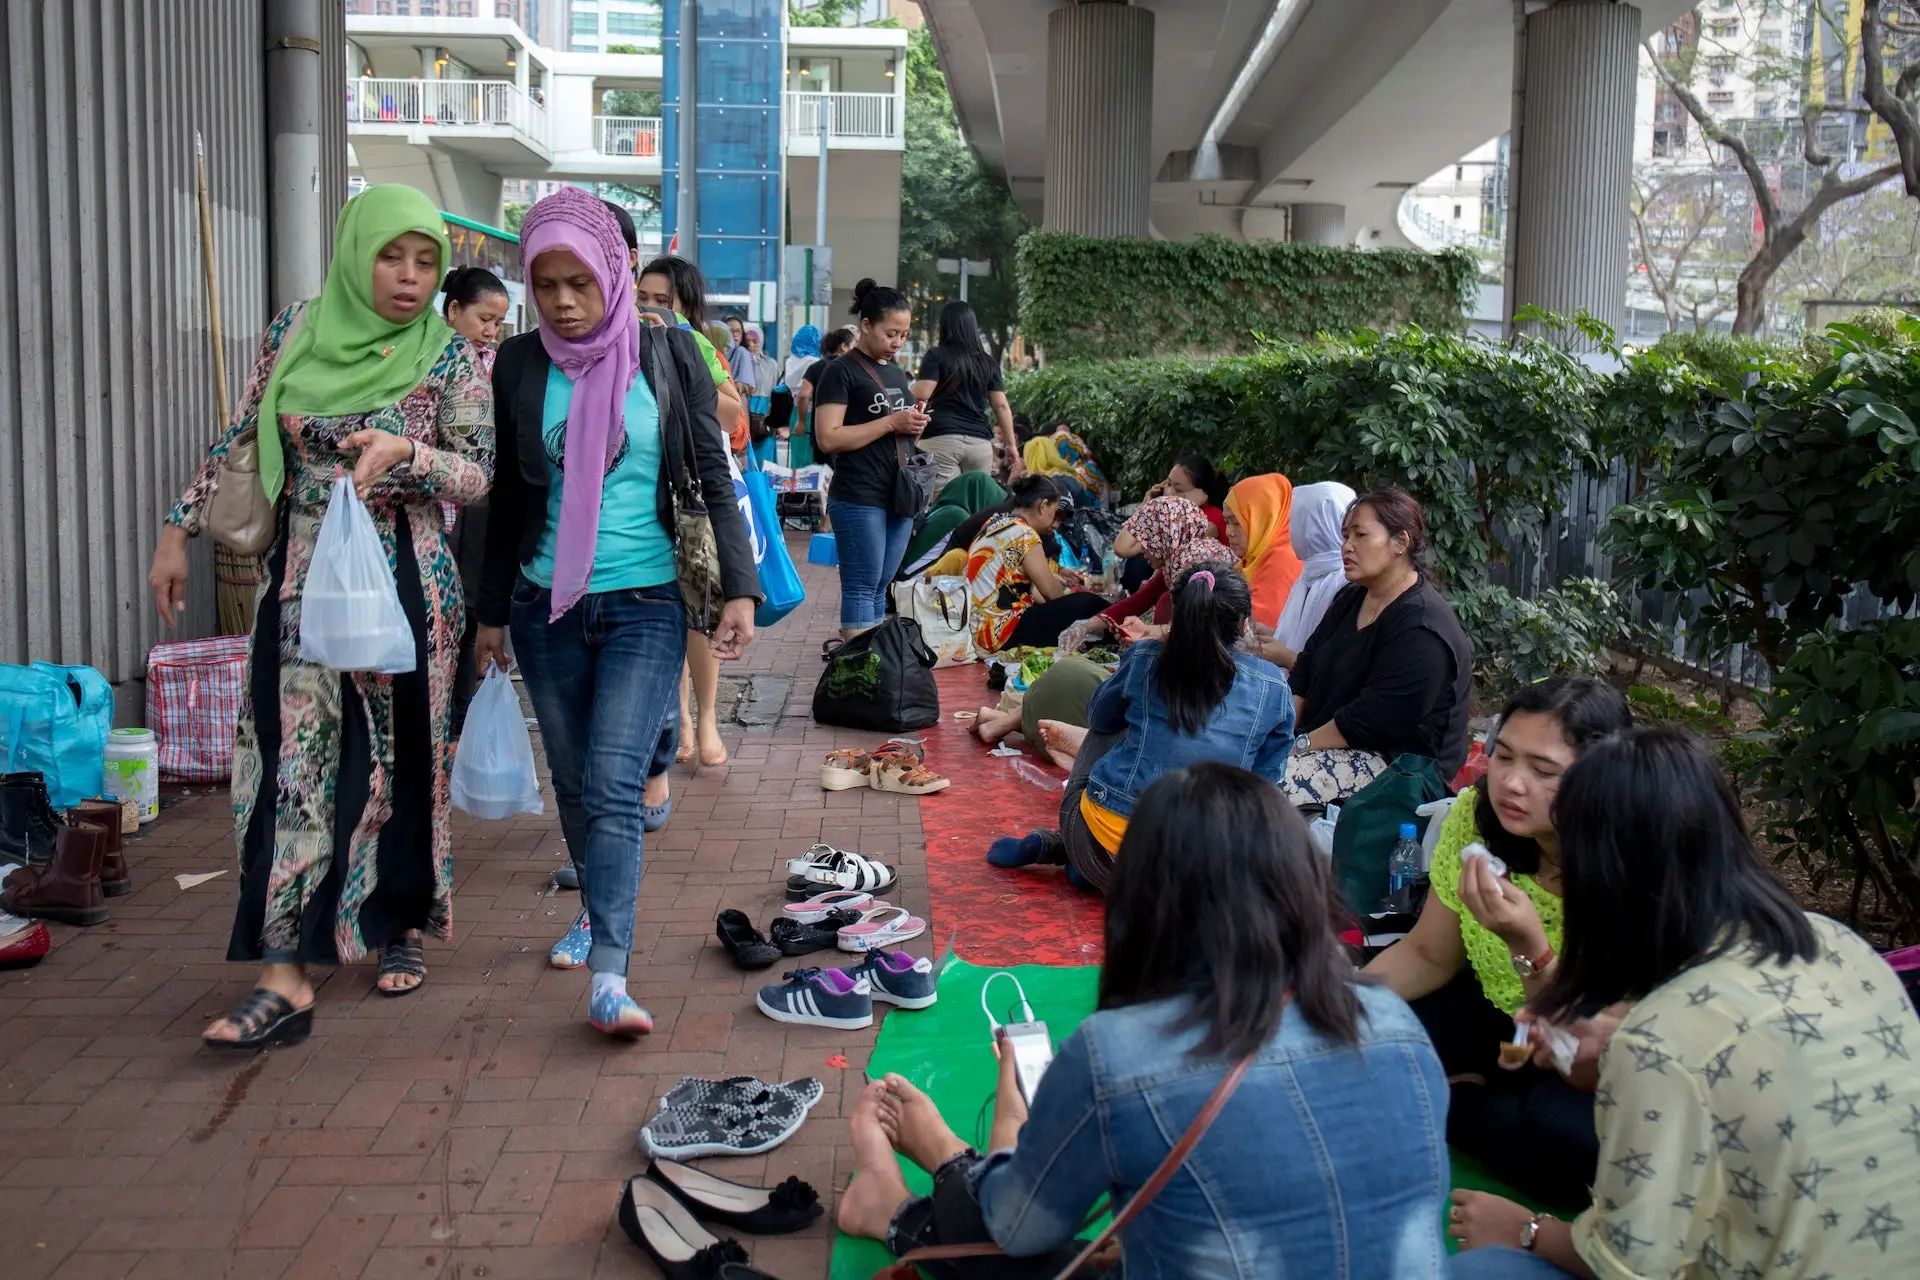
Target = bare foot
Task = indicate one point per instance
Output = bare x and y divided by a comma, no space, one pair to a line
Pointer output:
1062,742
288,980
918,1131
993,724
685,754
713,752
868,1205
659,787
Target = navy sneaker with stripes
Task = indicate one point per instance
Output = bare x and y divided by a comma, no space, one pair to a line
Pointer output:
819,998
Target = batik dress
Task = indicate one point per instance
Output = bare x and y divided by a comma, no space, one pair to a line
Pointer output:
341,783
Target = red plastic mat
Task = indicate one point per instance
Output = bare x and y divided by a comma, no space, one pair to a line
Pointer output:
989,915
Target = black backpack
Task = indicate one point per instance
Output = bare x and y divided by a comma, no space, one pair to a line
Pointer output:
881,680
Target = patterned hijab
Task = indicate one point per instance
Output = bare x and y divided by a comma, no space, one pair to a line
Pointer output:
1165,526
348,358
601,365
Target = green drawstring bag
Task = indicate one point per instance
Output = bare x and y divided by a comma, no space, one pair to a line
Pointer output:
1369,827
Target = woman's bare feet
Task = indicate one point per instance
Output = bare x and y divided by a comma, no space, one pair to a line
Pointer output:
1062,742
868,1205
713,752
289,980
918,1131
684,755
993,724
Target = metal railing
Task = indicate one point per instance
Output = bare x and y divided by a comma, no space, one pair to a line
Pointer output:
847,115
1433,233
446,103
627,135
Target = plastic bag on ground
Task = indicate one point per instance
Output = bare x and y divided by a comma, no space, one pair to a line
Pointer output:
493,765
350,614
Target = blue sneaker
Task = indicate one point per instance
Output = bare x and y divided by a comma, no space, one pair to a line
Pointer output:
897,978
819,998
617,1014
571,951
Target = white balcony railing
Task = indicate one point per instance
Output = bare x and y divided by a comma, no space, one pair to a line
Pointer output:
447,103
627,136
866,116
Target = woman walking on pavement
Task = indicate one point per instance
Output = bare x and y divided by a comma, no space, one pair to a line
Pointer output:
596,413
341,782
476,304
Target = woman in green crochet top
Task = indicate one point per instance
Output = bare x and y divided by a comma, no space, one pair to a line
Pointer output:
1485,943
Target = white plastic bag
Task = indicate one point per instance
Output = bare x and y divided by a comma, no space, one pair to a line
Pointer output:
493,765
350,615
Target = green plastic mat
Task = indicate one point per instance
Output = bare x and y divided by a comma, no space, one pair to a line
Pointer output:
944,1050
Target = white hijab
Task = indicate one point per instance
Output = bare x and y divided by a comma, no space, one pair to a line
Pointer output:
1319,510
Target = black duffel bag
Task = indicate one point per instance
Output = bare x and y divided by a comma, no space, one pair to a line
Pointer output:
881,680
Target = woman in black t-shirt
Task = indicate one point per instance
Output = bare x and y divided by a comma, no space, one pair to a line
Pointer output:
865,416
961,384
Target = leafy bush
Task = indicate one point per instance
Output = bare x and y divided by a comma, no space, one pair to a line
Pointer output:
1087,298
1563,631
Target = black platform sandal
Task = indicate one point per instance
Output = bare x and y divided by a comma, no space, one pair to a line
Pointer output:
405,956
265,1019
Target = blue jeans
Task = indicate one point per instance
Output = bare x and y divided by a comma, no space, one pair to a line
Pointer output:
602,678
870,544
1497,1262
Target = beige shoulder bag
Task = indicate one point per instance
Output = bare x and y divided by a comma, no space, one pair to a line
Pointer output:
239,516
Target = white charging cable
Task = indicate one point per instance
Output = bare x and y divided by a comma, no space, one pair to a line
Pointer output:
1026,1010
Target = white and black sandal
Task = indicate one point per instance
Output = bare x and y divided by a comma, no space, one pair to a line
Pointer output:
832,868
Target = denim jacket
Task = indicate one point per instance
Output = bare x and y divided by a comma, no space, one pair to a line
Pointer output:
1329,1162
1252,728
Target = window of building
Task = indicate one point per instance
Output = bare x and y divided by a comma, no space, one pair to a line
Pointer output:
634,24
1456,213
1720,66
1459,173
1725,29
1662,142
1720,97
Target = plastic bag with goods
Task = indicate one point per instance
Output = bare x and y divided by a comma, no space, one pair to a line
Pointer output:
350,615
493,765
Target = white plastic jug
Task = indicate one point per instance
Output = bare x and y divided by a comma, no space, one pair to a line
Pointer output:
133,770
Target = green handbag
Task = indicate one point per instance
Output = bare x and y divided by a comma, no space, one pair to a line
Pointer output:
1369,827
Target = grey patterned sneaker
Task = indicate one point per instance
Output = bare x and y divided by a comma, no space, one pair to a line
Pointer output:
726,1118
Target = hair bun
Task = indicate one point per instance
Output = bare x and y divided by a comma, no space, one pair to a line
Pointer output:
866,286
453,278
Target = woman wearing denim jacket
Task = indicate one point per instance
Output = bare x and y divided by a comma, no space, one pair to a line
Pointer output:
1327,1161
1192,698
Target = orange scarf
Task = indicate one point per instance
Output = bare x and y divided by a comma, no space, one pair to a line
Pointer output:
1264,507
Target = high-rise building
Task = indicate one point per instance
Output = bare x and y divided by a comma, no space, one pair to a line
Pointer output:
545,21
596,26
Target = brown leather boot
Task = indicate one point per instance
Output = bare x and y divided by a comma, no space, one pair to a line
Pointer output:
115,879
67,889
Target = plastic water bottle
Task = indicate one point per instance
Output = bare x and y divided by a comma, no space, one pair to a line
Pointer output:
1110,571
1403,871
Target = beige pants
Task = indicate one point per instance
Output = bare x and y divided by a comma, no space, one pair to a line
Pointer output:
955,454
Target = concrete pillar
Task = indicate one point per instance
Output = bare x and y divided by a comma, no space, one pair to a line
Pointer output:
1320,224
1099,120
302,225
1574,131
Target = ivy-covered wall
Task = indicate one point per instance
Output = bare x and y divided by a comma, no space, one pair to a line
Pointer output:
1092,299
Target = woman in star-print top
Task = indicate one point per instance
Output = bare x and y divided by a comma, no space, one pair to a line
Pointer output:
1758,1107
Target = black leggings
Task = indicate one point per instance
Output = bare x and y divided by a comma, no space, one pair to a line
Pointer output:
1530,1128
1041,624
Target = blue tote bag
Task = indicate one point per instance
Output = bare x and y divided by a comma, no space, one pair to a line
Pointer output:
779,580
54,722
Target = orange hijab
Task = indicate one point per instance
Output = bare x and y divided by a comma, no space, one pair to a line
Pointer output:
1264,507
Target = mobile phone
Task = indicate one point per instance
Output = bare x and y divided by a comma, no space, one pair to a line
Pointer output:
1032,1050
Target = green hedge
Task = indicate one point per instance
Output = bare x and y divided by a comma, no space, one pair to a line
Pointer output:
1085,298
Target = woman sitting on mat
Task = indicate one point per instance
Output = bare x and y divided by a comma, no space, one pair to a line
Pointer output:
1194,697
1388,671
1052,716
1484,943
1757,1105
966,495
1260,531
1218,950
1173,535
1041,457
1319,510
1016,595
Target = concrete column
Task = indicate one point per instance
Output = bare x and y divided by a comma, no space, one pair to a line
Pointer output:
1320,224
1099,176
1574,147
302,227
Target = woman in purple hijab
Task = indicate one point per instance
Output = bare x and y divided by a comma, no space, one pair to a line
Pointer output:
580,557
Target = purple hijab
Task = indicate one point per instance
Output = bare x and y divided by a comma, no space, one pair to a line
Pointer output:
601,366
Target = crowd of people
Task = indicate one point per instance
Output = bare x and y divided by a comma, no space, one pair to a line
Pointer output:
1608,999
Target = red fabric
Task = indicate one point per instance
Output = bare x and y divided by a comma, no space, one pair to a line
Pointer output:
1217,518
1472,770
990,915
195,689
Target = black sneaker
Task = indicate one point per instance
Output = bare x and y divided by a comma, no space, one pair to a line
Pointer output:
797,939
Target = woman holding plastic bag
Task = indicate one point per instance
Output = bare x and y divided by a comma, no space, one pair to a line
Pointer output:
340,780
602,419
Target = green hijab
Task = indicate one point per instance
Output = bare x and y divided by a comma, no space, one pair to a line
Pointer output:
967,494
346,357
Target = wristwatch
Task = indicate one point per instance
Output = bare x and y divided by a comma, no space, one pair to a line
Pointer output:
1530,1233
1533,966
1302,744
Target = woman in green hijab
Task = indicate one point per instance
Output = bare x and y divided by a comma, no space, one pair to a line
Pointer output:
341,782
967,494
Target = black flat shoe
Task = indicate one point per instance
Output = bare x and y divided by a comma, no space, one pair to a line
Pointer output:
797,939
663,1229
266,1019
761,1211
743,942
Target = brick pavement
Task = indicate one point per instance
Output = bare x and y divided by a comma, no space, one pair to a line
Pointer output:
477,1128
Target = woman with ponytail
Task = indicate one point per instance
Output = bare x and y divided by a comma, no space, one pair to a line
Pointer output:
1192,698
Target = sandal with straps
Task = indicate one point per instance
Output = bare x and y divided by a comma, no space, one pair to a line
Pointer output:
906,777
404,956
265,1019
829,868
849,769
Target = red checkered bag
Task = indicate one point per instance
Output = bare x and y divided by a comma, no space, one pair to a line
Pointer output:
194,694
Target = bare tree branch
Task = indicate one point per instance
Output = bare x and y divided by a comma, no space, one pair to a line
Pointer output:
1894,106
1711,128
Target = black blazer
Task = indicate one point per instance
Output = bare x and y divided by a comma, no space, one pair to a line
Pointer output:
518,503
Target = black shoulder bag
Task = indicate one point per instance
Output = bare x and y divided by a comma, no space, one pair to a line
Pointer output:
913,476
